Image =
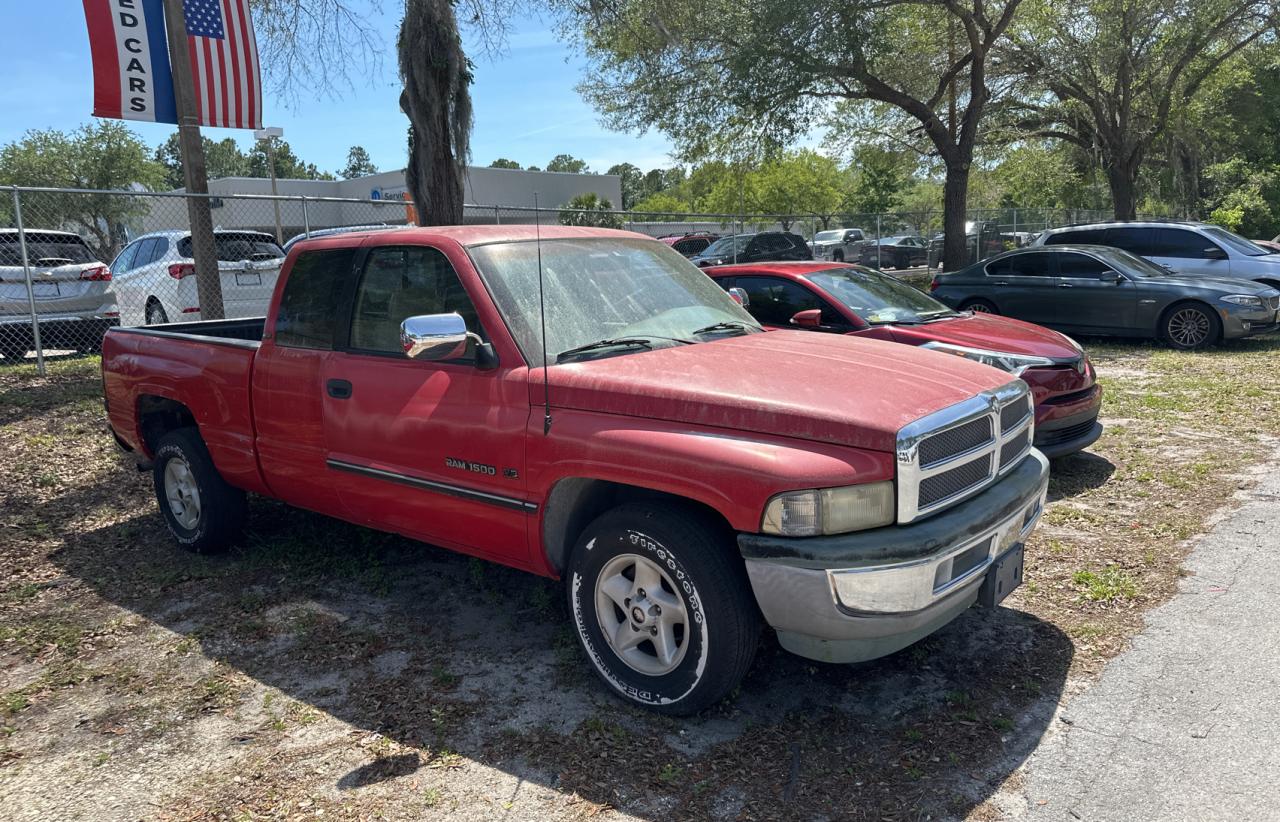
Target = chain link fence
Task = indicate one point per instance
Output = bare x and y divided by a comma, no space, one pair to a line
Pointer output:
76,262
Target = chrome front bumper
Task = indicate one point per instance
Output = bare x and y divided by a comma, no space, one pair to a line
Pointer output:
863,595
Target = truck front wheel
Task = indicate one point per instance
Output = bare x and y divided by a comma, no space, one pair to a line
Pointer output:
203,512
662,607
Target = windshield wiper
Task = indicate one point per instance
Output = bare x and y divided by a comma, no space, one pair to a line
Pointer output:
620,342
724,326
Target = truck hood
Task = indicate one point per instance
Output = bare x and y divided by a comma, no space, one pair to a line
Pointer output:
823,387
993,333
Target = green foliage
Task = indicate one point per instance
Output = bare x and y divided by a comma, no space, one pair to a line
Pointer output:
568,163
878,178
358,164
792,183
632,180
662,206
225,159
102,155
288,165
503,162
590,210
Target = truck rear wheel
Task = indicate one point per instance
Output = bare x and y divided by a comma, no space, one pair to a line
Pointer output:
662,607
204,513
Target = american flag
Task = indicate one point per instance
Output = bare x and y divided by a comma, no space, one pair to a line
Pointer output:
224,63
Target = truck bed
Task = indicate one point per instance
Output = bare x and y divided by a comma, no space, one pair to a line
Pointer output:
246,330
205,368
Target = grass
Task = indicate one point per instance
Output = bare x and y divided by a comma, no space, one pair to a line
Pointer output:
1108,585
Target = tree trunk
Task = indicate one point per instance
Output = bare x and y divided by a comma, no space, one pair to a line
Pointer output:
1124,190
955,199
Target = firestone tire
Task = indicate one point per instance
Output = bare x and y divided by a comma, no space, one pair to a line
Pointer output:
204,513
701,583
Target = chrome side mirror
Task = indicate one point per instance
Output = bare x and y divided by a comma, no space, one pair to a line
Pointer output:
434,337
740,296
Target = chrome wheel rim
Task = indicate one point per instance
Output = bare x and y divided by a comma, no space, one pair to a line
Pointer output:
979,308
642,615
1189,327
181,492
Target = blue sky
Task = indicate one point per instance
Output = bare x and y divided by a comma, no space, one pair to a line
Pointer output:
526,108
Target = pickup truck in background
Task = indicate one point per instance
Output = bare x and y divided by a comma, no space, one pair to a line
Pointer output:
683,472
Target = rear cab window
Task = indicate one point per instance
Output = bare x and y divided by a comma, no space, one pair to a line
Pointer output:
309,304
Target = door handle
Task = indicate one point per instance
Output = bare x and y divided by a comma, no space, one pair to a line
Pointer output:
338,389
1000,282
1064,285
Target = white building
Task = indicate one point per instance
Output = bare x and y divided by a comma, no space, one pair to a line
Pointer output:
492,195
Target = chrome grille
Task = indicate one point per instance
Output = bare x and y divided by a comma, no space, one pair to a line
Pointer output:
1272,302
954,453
1011,450
940,487
1013,413
953,441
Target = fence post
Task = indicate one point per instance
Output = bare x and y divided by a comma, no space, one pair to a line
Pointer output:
31,292
878,247
497,216
1016,241
306,221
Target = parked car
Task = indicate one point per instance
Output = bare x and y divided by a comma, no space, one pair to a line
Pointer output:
767,245
72,290
684,473
837,244
1091,289
895,252
690,245
862,302
1272,245
155,276
1185,247
982,240
329,232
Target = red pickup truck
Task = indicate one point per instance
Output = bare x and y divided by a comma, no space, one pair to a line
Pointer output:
640,438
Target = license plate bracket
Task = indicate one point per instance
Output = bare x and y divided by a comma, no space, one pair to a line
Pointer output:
45,290
1004,575
244,278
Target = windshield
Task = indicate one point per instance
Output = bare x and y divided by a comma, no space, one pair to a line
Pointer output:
234,248
603,289
828,236
726,246
54,248
1235,241
1129,263
877,298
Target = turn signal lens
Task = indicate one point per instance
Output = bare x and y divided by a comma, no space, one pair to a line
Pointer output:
180,270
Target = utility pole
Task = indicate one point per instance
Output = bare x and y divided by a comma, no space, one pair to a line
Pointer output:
270,134
208,283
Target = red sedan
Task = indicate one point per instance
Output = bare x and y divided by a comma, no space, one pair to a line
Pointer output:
838,298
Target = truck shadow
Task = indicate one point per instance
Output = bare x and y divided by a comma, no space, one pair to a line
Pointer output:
1076,473
440,652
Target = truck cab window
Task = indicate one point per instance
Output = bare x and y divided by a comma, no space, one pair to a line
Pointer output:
402,282
314,287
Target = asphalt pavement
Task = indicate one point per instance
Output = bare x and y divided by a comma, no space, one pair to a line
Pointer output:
1186,723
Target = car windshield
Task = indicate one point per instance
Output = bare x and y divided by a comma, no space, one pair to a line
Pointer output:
728,245
828,236
53,248
877,298
237,247
604,289
1234,241
1129,263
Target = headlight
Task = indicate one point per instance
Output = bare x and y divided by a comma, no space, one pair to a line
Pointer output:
1013,363
829,510
1243,299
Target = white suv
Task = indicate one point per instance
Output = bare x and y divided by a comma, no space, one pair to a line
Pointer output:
155,276
1184,247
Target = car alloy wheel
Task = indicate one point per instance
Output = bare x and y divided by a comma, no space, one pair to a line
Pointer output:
1189,327
642,614
182,493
